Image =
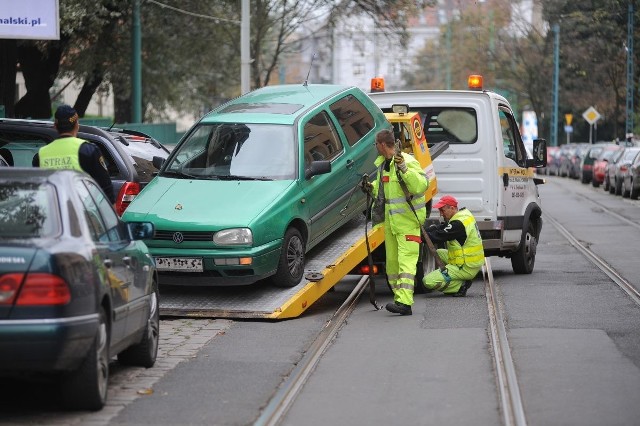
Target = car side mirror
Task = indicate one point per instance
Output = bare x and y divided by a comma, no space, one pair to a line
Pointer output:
317,168
539,154
141,230
157,162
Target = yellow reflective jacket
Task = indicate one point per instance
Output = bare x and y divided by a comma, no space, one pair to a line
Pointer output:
471,253
397,214
61,154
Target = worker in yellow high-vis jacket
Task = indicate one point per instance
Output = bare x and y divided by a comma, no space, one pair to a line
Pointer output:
401,226
464,255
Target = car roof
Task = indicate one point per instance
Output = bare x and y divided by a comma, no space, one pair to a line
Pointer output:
279,104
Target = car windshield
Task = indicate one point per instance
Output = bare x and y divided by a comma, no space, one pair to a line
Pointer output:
235,151
27,210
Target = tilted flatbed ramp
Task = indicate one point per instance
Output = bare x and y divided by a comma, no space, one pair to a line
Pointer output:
335,257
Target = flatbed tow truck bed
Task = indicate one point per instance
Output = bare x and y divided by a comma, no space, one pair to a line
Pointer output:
334,258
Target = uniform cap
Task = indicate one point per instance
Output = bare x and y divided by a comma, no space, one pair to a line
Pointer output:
66,117
446,200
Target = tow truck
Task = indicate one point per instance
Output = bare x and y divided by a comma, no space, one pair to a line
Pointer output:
345,252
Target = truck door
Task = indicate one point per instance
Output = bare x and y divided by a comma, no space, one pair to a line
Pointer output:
517,180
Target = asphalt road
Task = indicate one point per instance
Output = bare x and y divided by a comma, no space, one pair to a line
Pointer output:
575,338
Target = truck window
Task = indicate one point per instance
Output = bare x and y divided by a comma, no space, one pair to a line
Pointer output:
511,141
448,124
354,119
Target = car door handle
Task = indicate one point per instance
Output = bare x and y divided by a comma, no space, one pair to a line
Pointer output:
350,164
108,263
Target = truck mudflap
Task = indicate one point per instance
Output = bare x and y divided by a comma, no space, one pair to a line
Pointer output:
325,266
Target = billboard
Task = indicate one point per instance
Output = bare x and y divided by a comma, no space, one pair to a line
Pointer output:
30,19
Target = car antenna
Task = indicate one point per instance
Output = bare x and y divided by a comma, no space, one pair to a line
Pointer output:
310,65
112,124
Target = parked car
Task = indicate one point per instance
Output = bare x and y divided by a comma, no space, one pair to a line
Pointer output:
551,150
258,182
600,164
574,159
77,286
611,171
586,164
127,154
564,158
631,181
622,169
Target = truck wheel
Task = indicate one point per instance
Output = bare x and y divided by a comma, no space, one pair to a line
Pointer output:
86,387
426,264
291,263
523,260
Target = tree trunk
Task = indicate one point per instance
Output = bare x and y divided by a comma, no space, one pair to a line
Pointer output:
39,70
8,61
89,87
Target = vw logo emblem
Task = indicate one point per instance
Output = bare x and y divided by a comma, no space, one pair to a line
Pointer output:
178,237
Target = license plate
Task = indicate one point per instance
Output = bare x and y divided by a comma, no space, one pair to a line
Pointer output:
183,264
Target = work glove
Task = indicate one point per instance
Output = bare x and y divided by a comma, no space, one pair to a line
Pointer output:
445,275
400,164
366,187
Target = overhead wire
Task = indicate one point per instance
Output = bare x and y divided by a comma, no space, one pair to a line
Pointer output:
197,15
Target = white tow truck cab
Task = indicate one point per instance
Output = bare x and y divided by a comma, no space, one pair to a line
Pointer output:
486,166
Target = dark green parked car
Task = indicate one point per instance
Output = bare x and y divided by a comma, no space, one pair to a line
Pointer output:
258,182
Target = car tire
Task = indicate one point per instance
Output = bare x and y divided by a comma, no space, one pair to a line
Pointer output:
583,178
625,193
618,188
523,260
291,263
610,187
145,352
634,192
86,387
426,264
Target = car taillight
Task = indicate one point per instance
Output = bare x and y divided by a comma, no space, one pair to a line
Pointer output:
39,289
127,193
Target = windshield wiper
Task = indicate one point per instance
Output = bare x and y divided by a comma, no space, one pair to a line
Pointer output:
177,174
235,177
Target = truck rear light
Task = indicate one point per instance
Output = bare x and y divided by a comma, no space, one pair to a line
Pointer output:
127,193
365,269
39,289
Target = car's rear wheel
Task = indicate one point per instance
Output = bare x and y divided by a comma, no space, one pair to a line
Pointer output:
86,388
633,192
291,263
524,259
145,352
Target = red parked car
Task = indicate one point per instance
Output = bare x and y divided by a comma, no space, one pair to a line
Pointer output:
600,164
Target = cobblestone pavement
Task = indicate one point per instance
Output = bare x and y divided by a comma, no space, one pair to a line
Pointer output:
180,340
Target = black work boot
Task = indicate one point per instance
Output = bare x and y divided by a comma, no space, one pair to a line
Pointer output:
463,289
399,308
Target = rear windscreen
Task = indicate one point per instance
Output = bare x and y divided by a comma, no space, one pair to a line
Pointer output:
448,124
28,210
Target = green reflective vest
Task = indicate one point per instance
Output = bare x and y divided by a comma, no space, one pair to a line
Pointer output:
61,154
472,252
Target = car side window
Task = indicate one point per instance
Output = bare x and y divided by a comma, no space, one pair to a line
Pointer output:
320,139
353,117
112,167
23,146
91,212
109,216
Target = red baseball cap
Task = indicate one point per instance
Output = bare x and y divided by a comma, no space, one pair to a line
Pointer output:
446,200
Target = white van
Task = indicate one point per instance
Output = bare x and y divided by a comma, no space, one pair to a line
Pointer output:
486,166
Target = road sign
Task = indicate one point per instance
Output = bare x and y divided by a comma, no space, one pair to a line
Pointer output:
568,129
568,118
591,115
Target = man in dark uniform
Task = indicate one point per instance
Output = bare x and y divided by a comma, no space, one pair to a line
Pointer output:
71,152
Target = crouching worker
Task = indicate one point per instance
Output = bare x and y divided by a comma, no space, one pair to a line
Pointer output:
401,226
464,255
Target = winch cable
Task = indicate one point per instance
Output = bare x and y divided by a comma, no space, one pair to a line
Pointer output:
372,283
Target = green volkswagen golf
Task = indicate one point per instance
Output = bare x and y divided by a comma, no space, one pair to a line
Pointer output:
257,183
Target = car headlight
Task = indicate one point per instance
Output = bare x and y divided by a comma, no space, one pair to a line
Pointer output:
233,237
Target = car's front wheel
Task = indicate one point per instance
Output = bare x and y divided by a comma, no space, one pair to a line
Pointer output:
291,263
86,388
144,353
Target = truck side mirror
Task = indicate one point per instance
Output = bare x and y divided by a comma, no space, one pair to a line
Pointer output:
539,154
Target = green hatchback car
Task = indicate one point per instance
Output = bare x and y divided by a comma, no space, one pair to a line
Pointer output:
258,182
